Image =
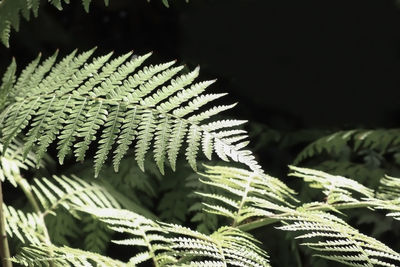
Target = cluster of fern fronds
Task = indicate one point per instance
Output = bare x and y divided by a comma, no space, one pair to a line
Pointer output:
114,111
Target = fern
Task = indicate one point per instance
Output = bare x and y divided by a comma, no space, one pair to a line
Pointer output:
379,140
146,105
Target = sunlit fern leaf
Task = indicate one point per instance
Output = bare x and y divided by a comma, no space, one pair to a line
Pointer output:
75,99
26,227
243,195
62,256
379,140
335,240
338,189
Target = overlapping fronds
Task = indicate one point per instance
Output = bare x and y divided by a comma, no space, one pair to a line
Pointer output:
380,140
245,195
26,227
75,99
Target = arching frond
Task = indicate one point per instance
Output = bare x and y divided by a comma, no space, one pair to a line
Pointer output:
74,100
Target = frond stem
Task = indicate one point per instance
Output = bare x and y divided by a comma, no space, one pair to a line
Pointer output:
4,248
245,194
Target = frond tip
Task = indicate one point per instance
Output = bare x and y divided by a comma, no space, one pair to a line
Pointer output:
73,100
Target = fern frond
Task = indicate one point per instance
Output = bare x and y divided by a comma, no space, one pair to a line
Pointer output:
380,140
74,99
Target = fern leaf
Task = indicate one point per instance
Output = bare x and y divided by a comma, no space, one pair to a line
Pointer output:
73,100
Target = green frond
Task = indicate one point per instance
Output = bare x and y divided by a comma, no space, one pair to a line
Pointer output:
74,100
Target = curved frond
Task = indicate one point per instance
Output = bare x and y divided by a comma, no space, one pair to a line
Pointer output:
152,108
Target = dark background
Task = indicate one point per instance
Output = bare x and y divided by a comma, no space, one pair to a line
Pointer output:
288,63
293,66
